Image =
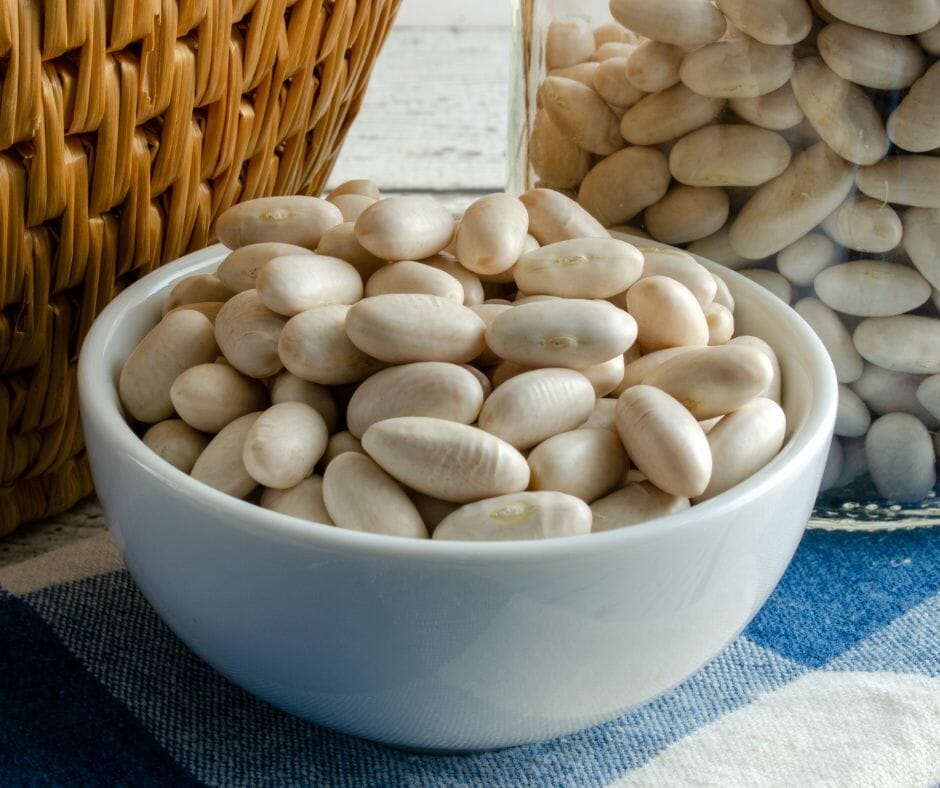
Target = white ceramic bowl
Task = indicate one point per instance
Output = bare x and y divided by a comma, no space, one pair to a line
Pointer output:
447,645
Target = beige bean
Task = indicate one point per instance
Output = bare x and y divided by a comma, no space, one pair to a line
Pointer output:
922,240
774,389
682,267
239,270
557,159
803,260
618,187
357,186
284,444
664,441
613,50
636,371
446,460
411,227
210,309
637,502
777,110
686,23
840,111
287,387
579,268
340,241
720,324
526,515
537,404
473,292
176,442
834,335
196,289
742,443
905,343
404,327
360,496
687,213
340,443
871,288
351,205
581,114
605,377
885,391
717,248
915,124
899,17
427,388
671,113
611,32
738,67
492,234
667,314
293,284
555,217
609,82
788,207
181,340
247,333
900,457
582,72
303,500
770,281
299,220
220,465
778,22
572,333
568,41
852,416
729,155
209,396
654,66
869,58
314,346
585,463
408,276
903,180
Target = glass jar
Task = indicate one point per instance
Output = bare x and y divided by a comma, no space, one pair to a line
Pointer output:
797,143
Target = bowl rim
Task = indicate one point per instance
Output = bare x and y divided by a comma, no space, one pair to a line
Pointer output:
100,405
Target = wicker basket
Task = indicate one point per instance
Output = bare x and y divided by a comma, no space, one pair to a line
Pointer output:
126,127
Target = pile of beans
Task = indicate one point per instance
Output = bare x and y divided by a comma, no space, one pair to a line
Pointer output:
373,364
795,142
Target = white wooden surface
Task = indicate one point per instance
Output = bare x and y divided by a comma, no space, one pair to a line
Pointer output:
434,120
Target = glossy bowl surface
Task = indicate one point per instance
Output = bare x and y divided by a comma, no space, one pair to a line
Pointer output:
448,645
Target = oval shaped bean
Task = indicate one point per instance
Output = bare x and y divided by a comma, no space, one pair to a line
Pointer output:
446,460
637,502
239,270
303,500
777,22
492,234
537,404
557,159
900,458
408,276
298,219
852,416
654,66
411,227
470,282
181,340
834,335
777,110
683,268
314,346
220,465
869,58
774,388
293,284
720,324
176,442
196,289
803,260
921,240
729,155
340,241
210,309
872,288
287,387
905,343
899,17
667,314
609,83
884,391
585,463
636,371
351,205
427,388
687,213
568,41
360,496
865,225
664,116
247,333
915,124
579,268
605,377
581,114
903,180
737,68
618,187
209,396
525,515
717,248
555,217
686,23
284,444
572,333
664,441
357,186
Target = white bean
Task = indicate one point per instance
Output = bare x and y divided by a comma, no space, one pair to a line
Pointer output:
852,416
221,466
834,335
293,284
871,288
303,500
176,442
580,268
905,343
405,228
524,515
667,314
637,502
284,445
247,333
209,396
298,220
900,458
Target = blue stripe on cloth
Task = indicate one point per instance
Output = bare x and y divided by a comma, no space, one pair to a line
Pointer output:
842,587
58,725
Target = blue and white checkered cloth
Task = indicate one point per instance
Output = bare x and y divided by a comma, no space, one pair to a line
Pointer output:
836,682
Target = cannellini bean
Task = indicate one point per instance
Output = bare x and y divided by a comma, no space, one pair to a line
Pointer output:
287,387
723,295
356,186
176,442
685,23
582,72
654,66
771,281
664,441
299,220
314,346
360,496
181,340
557,159
905,343
687,213
609,83
612,32
869,58
537,404
885,391
284,444
737,68
903,180
605,377
210,309
834,335
788,207
446,460
492,234
572,333
340,241
840,111
682,267
729,155
405,228
303,500
900,458
637,502
777,22
220,465
340,443
635,372
720,324
209,396
714,381
928,394
717,248
404,327
488,313
899,17
871,288
667,314
568,41
620,186
671,113
835,462
581,114
239,270
852,417
293,284
585,463
196,289
247,333
408,276
470,282
614,50
603,417
777,110
915,124
579,268
922,240
427,388
351,205
803,260
525,515
555,217
774,388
